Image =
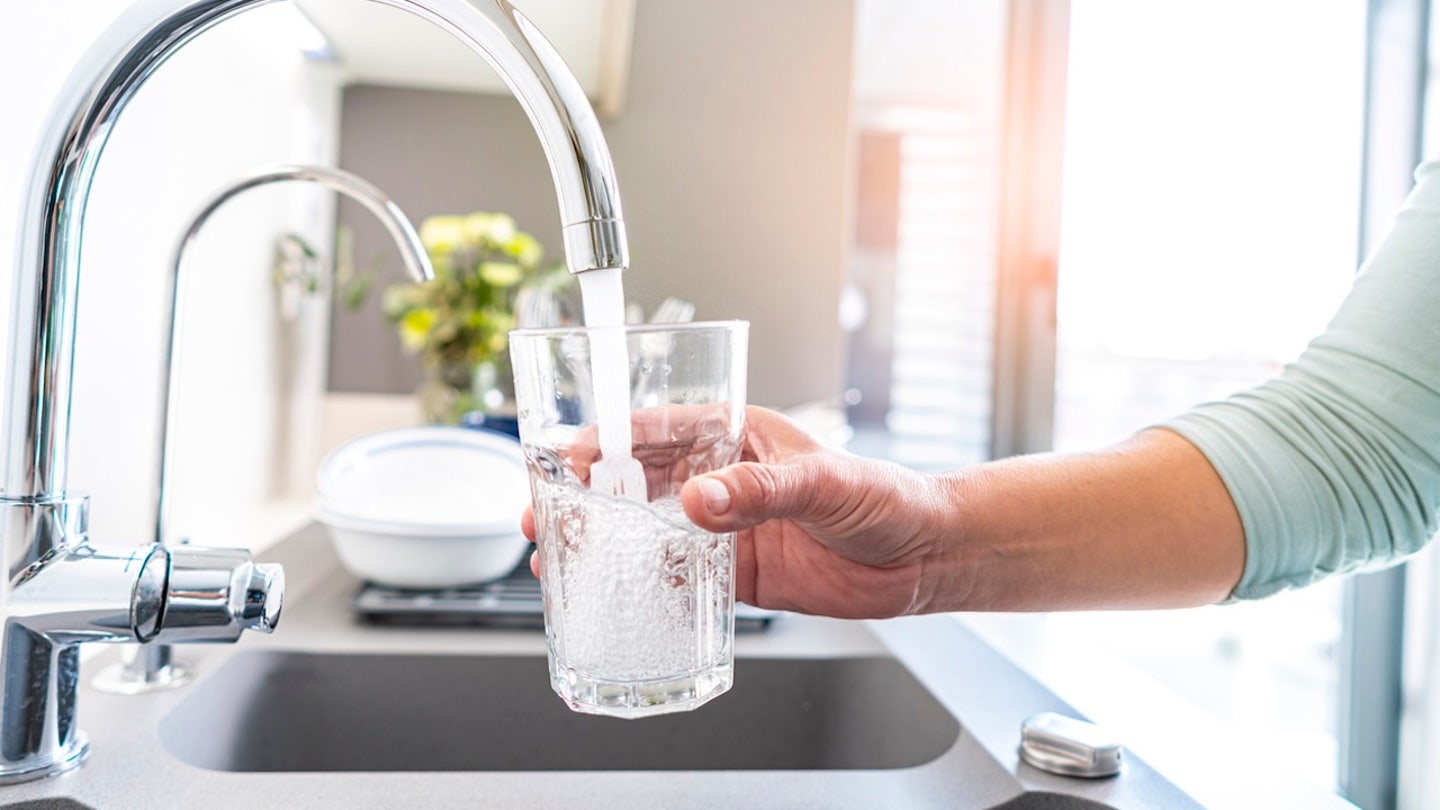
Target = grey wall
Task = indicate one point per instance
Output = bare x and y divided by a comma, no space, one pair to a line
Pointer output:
731,156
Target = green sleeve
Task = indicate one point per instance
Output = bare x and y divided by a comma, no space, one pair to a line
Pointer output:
1335,464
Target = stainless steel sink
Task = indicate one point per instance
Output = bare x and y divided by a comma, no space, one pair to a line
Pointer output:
299,711
335,713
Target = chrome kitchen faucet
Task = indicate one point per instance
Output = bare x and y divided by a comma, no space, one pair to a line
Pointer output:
60,590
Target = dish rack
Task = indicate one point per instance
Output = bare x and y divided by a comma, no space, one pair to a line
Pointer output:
512,601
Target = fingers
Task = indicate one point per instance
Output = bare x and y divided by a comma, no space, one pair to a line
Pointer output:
527,527
527,523
747,494
784,473
660,436
772,437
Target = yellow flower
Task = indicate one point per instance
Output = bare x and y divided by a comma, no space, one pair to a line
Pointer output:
415,328
485,228
500,338
525,248
480,260
501,274
443,234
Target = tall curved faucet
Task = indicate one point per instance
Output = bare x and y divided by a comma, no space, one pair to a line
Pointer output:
153,667
59,590
362,191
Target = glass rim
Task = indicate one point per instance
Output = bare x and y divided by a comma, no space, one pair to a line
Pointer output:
630,328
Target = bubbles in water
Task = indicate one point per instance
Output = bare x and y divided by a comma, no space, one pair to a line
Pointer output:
633,591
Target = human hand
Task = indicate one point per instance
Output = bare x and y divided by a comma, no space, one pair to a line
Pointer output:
818,530
671,442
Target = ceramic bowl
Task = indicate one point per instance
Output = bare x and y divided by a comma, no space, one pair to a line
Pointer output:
425,508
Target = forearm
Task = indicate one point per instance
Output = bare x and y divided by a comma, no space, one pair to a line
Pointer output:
1145,524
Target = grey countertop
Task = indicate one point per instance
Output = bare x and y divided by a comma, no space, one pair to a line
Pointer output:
130,765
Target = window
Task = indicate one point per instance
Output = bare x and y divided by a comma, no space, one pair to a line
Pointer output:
1210,219
1209,223
928,80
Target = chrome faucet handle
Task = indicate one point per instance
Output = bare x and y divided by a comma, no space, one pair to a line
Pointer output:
216,594
190,594
264,598
197,595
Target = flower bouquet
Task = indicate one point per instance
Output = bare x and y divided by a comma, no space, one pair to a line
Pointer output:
457,323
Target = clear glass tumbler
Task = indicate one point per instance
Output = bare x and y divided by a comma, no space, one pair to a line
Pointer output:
639,602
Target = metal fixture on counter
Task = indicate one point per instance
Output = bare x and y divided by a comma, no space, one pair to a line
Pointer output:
1059,744
60,590
152,666
63,591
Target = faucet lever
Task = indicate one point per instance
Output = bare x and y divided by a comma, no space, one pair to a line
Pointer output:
191,594
77,592
215,594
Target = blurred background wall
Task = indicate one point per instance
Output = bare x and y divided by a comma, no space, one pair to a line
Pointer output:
731,154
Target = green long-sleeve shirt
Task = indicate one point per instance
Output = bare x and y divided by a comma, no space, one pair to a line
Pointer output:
1335,464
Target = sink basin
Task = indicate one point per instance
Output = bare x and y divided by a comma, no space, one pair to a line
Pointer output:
334,713
298,711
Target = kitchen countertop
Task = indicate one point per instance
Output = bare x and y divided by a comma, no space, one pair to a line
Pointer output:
129,765
1212,762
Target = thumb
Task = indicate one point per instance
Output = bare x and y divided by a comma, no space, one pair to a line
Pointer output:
746,494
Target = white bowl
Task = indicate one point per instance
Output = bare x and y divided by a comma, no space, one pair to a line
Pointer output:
401,558
431,507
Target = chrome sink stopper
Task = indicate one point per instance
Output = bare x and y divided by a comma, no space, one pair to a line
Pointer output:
1069,747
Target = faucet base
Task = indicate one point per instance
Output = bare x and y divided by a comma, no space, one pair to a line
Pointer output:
149,668
61,761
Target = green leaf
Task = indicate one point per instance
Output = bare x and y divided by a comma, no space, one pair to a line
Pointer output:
354,292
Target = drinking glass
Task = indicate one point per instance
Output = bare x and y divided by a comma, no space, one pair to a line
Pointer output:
639,602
